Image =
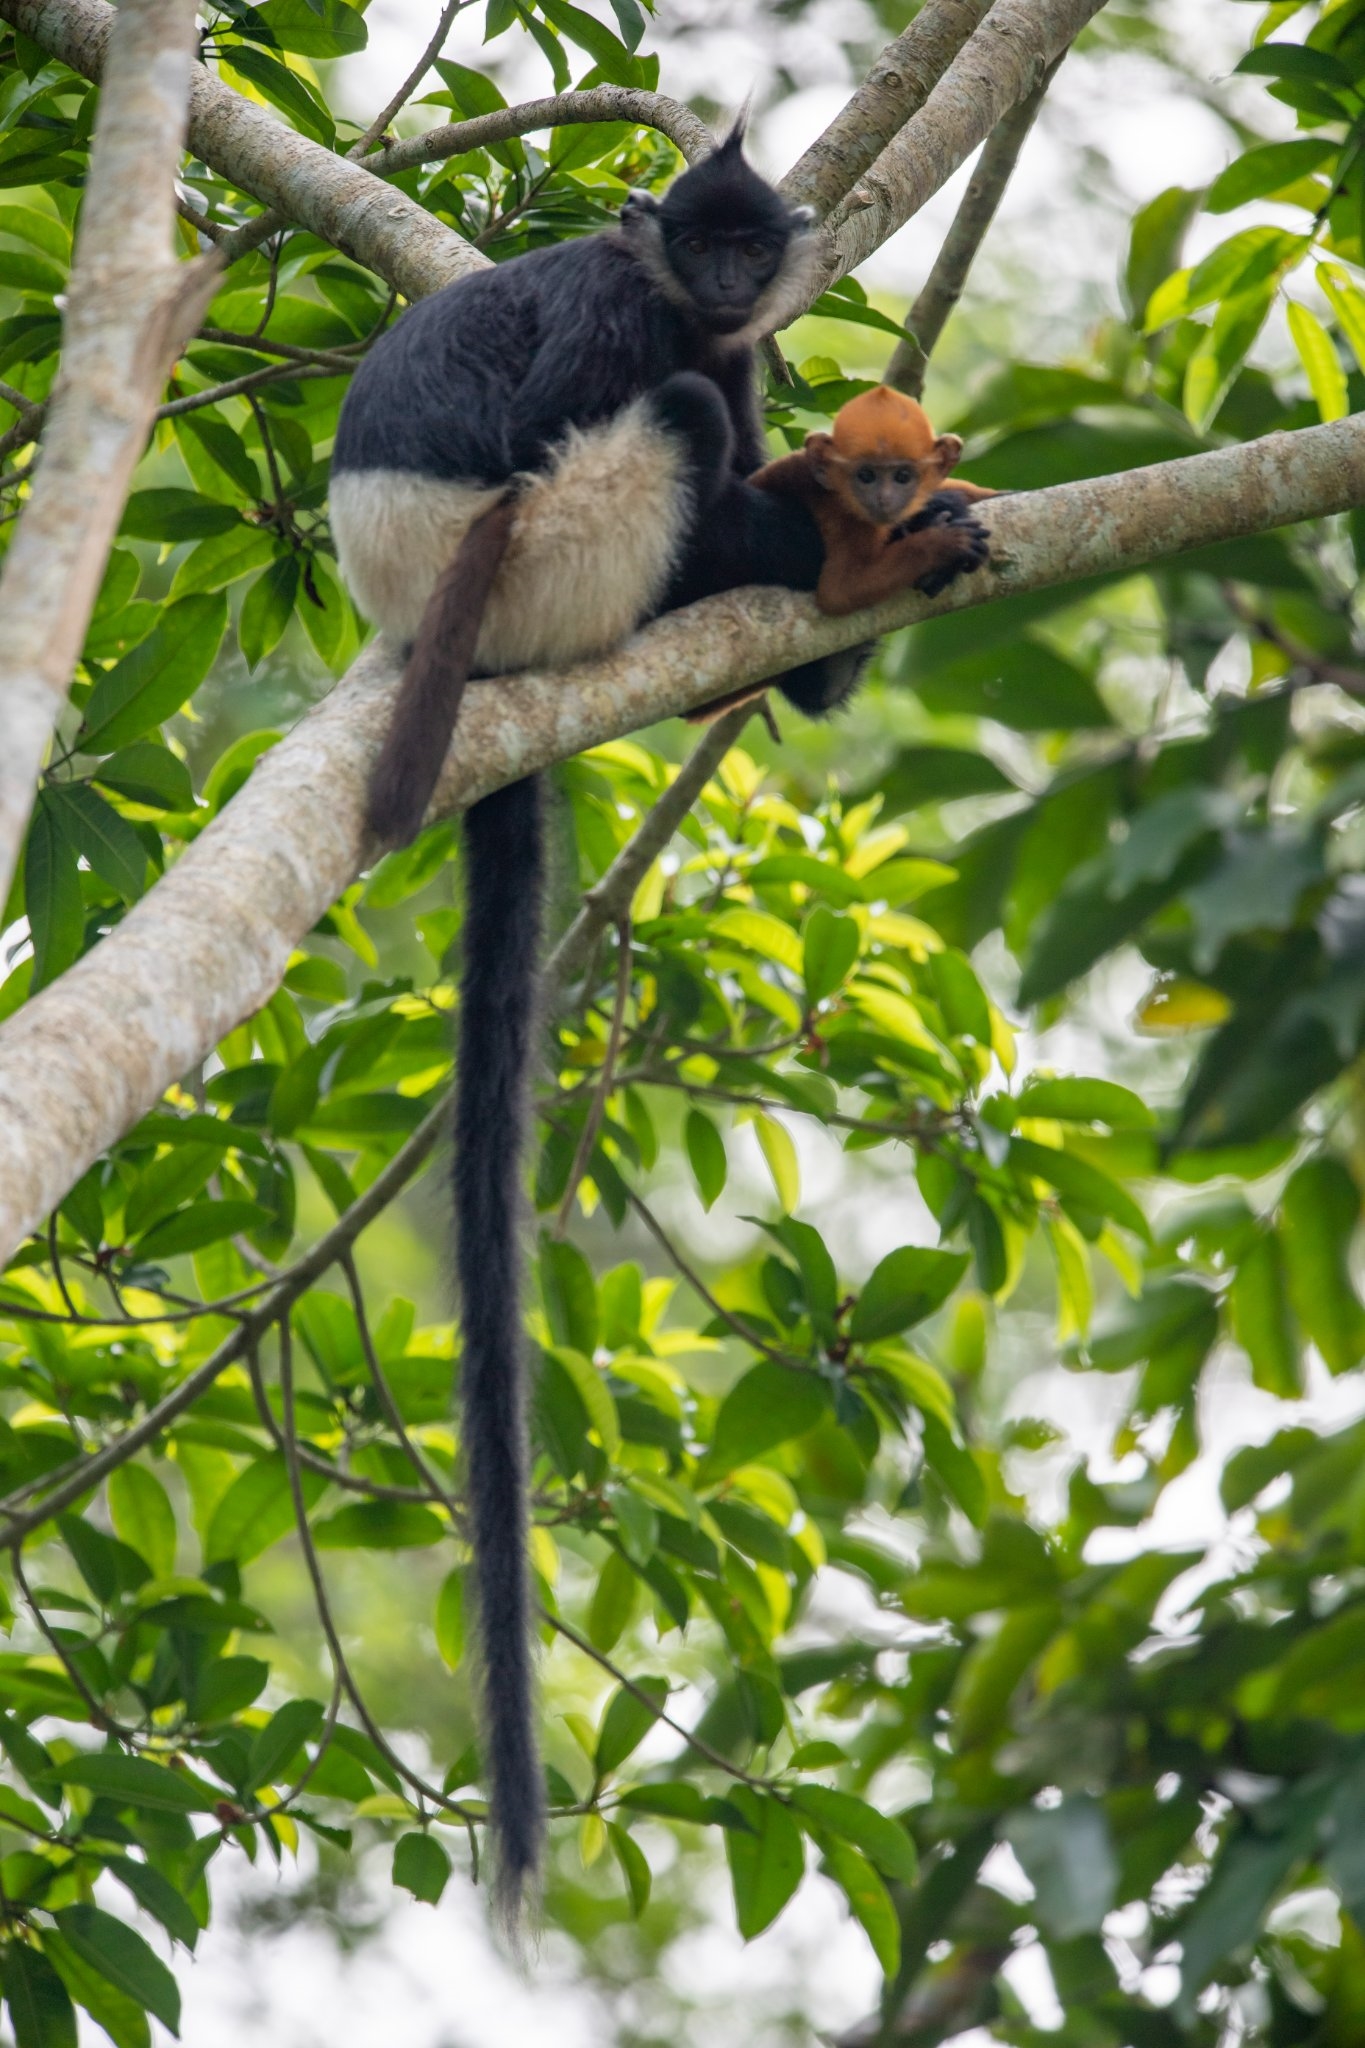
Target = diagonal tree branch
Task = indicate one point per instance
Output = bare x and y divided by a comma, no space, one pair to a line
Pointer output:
598,103
1009,55
944,285
209,944
895,88
131,307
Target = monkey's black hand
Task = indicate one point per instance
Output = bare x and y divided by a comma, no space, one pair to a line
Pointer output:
966,543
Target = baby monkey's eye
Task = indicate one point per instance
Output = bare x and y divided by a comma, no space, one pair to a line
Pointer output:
905,476
866,475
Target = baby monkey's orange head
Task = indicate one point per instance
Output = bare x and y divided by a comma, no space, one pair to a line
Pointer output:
883,458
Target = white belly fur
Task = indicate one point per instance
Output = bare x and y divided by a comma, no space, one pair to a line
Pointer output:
595,540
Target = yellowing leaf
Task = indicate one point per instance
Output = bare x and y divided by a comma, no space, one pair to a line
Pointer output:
895,1014
1182,1005
878,846
780,1153
1348,303
1318,354
759,932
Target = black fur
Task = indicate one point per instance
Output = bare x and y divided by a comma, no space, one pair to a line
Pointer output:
503,880
472,385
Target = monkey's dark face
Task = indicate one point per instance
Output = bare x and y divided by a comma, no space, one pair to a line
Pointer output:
724,274
885,491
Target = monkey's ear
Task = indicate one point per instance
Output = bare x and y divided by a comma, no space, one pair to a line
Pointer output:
948,449
802,217
821,456
638,205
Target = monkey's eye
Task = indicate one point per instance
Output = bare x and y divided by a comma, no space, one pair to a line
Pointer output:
697,245
866,475
755,251
905,476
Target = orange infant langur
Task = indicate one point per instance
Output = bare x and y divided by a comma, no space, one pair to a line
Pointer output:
880,490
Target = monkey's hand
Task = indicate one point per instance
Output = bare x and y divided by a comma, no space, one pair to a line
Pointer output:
953,540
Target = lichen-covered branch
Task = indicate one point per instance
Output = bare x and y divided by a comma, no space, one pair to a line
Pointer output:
1007,57
209,944
131,307
944,285
896,87
347,205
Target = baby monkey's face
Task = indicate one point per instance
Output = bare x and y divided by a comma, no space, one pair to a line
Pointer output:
887,491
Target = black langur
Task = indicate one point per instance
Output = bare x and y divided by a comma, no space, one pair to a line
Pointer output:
547,454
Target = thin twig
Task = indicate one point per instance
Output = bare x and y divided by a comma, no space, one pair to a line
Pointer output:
350,1482
609,900
343,358
592,1123
99,1715
323,1604
438,1491
699,1286
379,126
944,285
694,1742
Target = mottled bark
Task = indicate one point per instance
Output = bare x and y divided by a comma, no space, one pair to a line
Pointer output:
130,308
209,944
896,87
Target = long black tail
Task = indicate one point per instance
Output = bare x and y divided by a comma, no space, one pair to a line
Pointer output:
434,678
503,870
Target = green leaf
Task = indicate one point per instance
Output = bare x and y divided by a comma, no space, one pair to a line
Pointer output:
1263,1320
450,1619
173,515
1158,233
1266,169
1320,1214
108,842
158,1895
626,1723
143,1517
267,610
1069,1858
223,558
379,1525
52,892
607,52
40,2007
869,1902
133,1781
421,1866
1077,1180
284,89
631,1857
121,2017
771,1404
904,1288
767,1864
706,1152
316,28
1322,365
148,774
775,1143
203,1223
125,1959
256,1510
594,1393
276,1745
613,1603
758,931
162,673
851,1818
570,1295
831,946
1077,1101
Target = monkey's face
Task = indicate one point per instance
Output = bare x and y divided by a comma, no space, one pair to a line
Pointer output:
724,275
885,492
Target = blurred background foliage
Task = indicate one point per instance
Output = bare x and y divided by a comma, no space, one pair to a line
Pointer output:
949,1177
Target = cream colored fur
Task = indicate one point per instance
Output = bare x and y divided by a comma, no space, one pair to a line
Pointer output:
595,540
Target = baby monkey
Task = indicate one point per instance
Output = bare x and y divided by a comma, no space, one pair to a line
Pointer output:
878,487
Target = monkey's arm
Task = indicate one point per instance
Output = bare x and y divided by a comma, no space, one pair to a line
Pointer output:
863,566
790,476
972,493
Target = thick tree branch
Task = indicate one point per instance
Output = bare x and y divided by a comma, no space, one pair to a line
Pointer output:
895,88
341,201
1008,57
209,944
944,284
131,306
